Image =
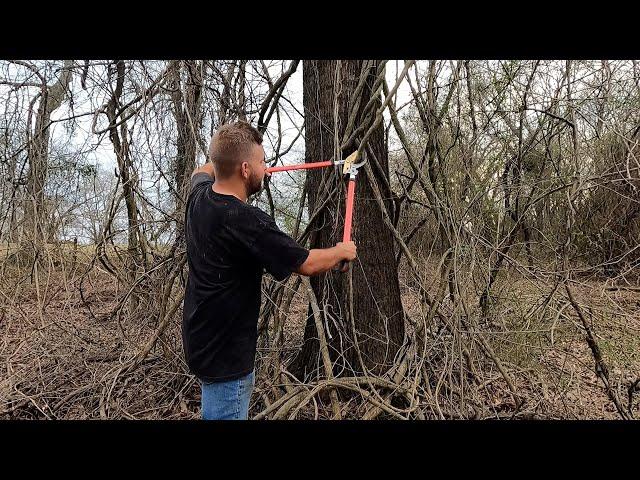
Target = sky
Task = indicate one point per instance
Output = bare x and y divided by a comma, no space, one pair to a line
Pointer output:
100,152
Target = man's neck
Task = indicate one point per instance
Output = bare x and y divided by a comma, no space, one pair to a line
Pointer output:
230,188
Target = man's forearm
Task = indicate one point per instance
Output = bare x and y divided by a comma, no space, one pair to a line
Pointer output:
206,168
320,260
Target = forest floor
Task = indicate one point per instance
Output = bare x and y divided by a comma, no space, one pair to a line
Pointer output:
62,354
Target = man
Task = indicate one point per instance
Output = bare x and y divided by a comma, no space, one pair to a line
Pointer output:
229,243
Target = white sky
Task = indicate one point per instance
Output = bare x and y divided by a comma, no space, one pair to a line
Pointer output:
100,152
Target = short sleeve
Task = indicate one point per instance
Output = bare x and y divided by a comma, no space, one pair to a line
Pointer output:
199,178
277,251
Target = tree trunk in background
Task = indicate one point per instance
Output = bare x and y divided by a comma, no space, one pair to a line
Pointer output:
121,147
187,113
377,310
38,157
13,235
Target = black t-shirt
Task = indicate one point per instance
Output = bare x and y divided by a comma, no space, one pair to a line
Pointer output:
229,243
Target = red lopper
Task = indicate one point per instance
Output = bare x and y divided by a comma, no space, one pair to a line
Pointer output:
349,167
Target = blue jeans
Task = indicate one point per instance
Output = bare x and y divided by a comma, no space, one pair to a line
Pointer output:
227,400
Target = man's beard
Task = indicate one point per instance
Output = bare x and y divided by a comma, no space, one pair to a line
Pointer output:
254,185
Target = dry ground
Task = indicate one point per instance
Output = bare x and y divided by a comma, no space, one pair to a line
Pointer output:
62,356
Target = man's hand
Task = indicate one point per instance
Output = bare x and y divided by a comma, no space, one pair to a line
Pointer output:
346,250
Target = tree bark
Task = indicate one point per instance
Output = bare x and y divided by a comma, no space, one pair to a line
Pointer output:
38,158
373,306
135,244
186,111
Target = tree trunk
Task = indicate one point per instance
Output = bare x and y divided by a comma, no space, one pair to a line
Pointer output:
121,147
376,309
38,157
186,110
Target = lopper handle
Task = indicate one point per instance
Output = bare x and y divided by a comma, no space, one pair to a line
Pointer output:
351,190
300,166
348,218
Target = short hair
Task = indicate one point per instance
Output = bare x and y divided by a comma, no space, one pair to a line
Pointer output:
229,146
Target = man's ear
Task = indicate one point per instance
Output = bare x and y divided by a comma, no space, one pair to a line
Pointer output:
244,170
